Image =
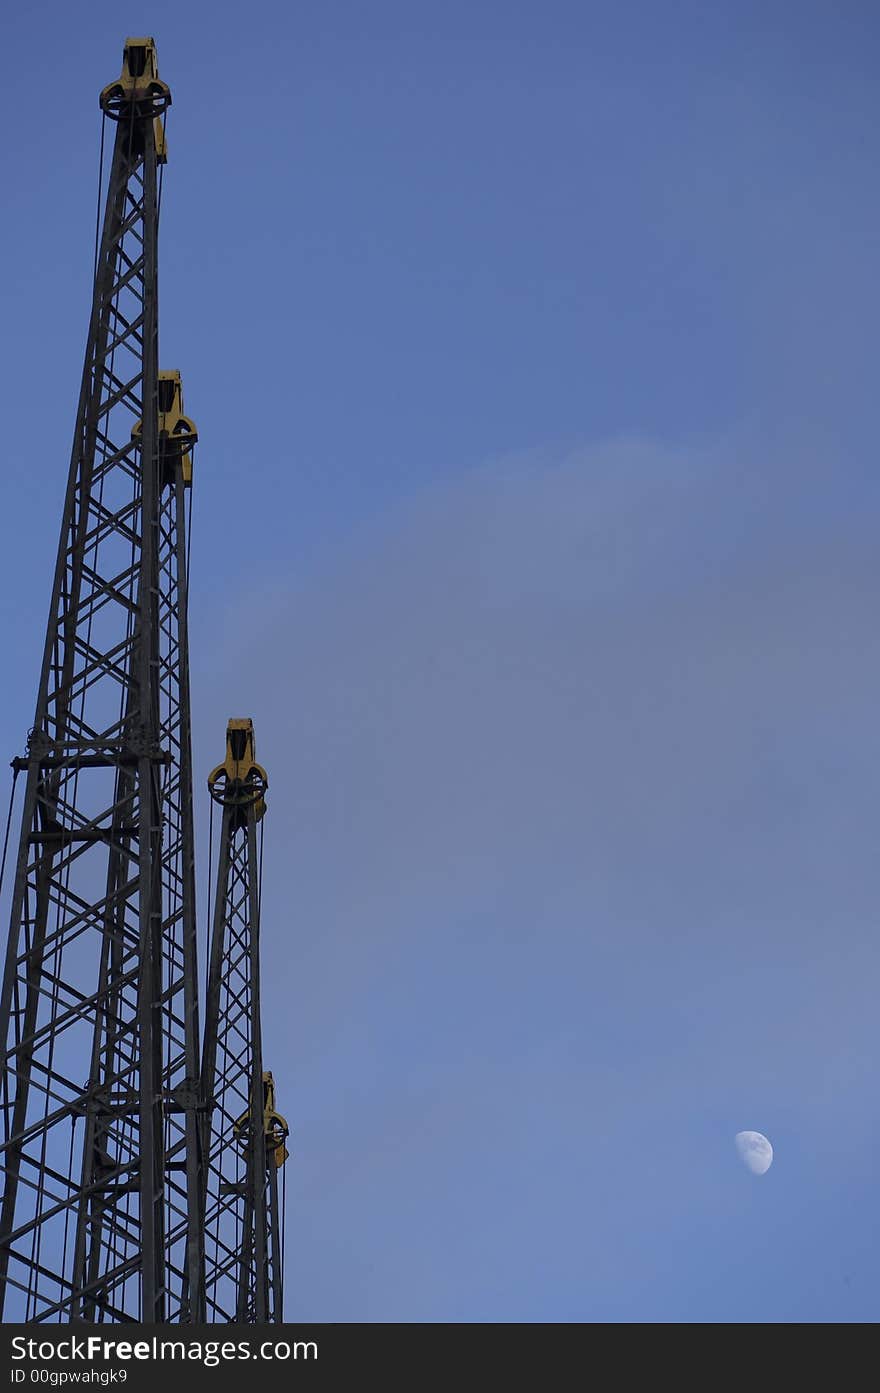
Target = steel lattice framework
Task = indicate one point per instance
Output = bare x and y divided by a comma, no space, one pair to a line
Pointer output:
245,1144
102,1130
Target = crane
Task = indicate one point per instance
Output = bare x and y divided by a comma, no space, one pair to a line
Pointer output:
242,1223
108,1139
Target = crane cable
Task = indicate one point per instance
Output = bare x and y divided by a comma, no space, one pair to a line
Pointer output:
283,1226
161,169
208,902
100,187
15,773
36,1242
282,1216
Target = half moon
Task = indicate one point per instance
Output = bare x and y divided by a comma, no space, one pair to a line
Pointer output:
755,1151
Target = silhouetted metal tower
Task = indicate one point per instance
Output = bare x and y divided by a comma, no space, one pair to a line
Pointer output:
245,1144
100,1093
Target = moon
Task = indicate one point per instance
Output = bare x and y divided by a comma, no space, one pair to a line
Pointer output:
755,1151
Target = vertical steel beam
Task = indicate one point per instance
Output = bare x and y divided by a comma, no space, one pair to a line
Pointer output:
193,1293
149,810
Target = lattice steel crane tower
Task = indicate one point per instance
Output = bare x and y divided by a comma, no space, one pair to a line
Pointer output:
107,1127
243,1221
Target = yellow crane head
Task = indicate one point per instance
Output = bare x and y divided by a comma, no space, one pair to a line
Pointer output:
275,1128
240,782
177,432
139,91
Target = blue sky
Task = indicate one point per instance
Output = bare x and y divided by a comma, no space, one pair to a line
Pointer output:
532,352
